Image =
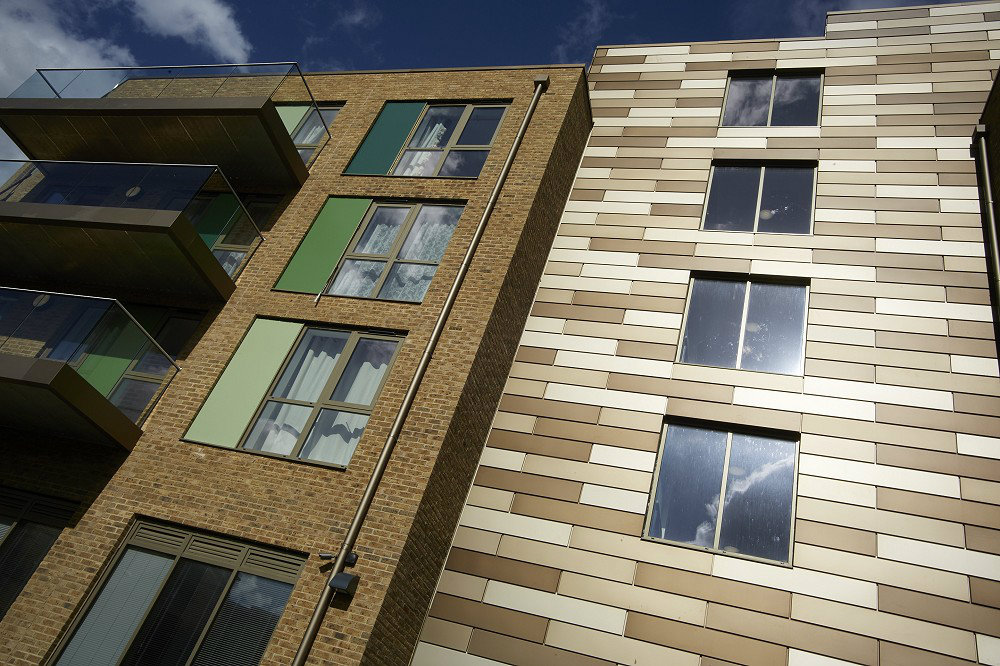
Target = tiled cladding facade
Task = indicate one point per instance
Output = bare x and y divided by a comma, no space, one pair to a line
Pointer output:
303,508
896,555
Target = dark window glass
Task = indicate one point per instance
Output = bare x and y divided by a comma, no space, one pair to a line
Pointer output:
757,513
481,126
20,554
243,626
774,328
786,201
733,198
747,101
175,622
796,100
715,313
686,497
172,337
463,163
132,395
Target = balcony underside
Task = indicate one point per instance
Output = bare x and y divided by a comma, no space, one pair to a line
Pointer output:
128,253
242,135
48,397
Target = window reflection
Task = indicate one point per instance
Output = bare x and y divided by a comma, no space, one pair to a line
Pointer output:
795,100
747,101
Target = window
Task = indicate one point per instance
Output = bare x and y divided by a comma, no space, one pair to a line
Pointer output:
451,141
396,252
307,125
29,525
770,198
744,324
727,491
758,100
181,597
319,404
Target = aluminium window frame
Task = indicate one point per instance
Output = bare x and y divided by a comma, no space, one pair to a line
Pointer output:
319,108
391,258
774,74
763,164
132,538
317,407
730,430
452,143
748,279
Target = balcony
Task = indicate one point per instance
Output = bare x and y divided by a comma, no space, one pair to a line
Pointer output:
152,232
77,367
240,117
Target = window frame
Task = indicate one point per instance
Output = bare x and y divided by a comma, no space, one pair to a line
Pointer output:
132,538
774,74
319,107
748,280
763,164
354,336
452,143
391,258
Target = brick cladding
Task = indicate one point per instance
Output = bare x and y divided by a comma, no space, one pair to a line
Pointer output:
304,507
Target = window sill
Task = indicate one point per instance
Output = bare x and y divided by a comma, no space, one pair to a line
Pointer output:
274,456
716,551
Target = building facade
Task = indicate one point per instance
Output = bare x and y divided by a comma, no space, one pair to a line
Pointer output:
753,417
199,365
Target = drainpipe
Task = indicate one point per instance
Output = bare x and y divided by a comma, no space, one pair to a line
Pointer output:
989,222
351,537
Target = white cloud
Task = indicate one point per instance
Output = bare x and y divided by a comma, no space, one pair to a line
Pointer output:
359,15
35,33
578,37
209,24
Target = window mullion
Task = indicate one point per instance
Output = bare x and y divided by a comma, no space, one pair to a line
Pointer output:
743,324
770,104
397,245
760,197
211,616
722,490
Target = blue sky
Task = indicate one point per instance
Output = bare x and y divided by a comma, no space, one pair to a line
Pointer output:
361,34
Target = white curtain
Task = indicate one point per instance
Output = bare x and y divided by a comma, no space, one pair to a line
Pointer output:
335,437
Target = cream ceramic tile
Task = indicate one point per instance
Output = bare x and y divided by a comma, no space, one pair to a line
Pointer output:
557,607
516,525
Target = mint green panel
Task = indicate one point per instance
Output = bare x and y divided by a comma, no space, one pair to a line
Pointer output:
323,245
113,345
379,149
291,115
232,403
214,220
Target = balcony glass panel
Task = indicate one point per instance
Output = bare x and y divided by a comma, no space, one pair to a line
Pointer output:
202,192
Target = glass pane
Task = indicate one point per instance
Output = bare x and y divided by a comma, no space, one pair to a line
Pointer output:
310,367
131,396
357,278
172,337
481,127
179,615
407,282
312,131
463,163
418,163
243,626
712,335
747,101
20,555
733,198
230,260
775,328
278,428
436,127
786,203
430,233
363,375
796,100
686,499
5,525
334,437
757,513
381,231
329,114
119,608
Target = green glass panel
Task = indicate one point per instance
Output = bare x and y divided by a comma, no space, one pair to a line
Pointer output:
231,404
324,244
113,345
291,115
213,221
379,149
